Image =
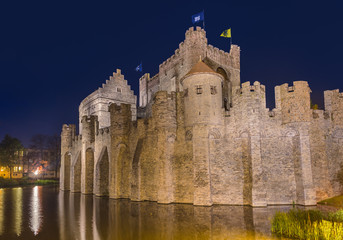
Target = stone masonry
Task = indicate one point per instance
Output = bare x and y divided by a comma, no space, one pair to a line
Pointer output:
199,136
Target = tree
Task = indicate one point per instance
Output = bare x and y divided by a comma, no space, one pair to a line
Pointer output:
44,147
10,149
54,146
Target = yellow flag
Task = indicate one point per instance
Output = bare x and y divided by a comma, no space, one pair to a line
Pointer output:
226,33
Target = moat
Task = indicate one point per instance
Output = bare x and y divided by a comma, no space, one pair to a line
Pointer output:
48,213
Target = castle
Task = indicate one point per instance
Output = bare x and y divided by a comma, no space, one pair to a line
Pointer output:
199,136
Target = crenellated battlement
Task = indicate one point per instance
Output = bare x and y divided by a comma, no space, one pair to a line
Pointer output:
249,95
67,136
256,88
318,114
71,128
332,98
294,102
333,101
192,36
170,61
91,118
103,131
195,35
77,138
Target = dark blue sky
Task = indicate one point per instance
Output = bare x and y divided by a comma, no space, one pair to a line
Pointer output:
53,54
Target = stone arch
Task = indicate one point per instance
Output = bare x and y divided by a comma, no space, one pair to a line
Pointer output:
123,165
214,134
290,132
102,173
66,170
226,88
245,146
89,171
76,173
244,134
136,178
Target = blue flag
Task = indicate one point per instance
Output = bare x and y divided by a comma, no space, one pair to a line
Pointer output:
139,68
198,17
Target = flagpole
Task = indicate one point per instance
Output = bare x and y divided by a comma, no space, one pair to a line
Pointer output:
231,37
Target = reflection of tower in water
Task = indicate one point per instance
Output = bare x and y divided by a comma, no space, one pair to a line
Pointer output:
89,217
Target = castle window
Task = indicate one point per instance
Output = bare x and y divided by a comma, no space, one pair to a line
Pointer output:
213,90
199,89
118,89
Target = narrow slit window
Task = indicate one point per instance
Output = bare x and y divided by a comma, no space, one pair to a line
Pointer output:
199,89
213,90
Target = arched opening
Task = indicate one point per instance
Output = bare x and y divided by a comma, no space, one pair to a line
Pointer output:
135,181
76,184
122,173
226,88
66,169
102,173
89,171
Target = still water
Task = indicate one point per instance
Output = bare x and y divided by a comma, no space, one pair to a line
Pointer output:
47,213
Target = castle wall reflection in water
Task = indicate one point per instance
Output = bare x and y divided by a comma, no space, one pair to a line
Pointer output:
47,213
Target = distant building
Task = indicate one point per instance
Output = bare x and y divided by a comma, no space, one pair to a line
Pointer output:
199,136
38,164
17,169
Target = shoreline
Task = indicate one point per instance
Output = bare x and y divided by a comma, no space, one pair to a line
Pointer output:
12,183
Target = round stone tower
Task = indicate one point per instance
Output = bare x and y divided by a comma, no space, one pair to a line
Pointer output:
203,95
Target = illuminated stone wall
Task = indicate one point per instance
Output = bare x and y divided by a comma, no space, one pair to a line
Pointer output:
213,147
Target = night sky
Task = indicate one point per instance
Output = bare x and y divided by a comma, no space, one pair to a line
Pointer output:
53,54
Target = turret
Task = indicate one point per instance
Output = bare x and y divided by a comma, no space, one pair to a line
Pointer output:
195,45
120,118
294,102
164,109
203,95
67,136
89,126
333,101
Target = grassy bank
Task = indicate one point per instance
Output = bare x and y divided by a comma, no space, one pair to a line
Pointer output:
25,182
309,224
335,202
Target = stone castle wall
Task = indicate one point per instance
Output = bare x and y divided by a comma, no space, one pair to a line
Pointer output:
190,147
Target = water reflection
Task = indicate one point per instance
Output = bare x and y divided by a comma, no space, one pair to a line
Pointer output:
88,217
1,211
82,217
35,210
18,209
